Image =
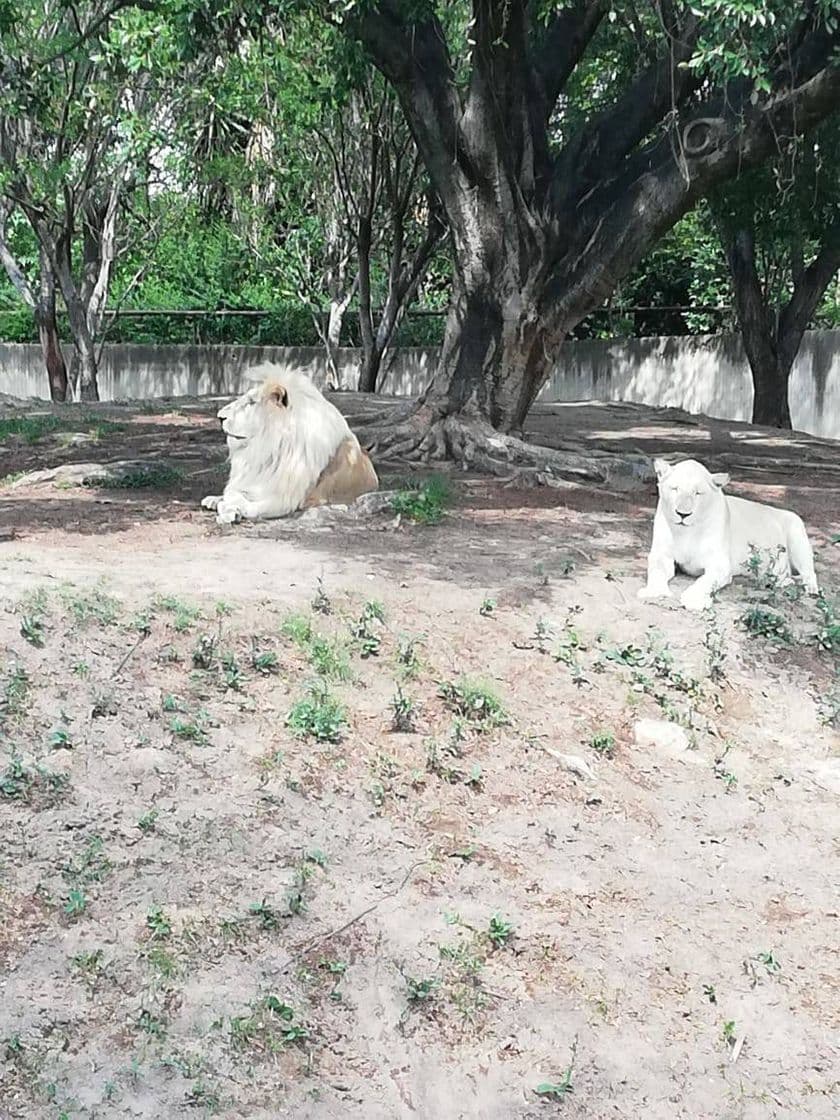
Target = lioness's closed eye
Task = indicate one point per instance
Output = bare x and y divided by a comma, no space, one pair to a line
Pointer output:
712,535
289,448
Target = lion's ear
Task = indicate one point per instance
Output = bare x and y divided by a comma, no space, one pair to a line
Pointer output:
277,394
661,467
720,480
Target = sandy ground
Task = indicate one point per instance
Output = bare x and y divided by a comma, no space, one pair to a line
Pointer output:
207,914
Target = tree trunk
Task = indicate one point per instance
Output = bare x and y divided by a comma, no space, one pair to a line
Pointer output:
83,370
770,394
332,336
51,349
45,319
501,341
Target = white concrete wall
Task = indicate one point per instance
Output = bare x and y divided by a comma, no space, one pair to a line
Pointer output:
701,373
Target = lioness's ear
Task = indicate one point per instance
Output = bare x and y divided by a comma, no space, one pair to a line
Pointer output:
661,468
277,394
720,480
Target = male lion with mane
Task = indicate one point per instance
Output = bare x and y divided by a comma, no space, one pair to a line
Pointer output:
289,449
709,534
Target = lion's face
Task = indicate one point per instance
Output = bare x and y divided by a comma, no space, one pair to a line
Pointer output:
256,415
687,491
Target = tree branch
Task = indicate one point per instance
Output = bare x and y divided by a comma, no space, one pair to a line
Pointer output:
809,289
619,222
10,264
560,47
599,147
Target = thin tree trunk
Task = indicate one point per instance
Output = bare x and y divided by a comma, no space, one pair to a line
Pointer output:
46,321
759,327
83,371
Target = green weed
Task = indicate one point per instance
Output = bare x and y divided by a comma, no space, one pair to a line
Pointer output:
15,695
184,614
266,662
409,663
193,730
32,629
19,782
474,702
499,932
271,1025
762,623
423,502
318,716
604,743
92,606
148,821
404,711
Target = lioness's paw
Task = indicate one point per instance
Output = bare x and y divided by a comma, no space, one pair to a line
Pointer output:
211,501
653,593
695,600
227,513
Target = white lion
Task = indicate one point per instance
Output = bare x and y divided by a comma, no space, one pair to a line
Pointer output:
709,534
289,449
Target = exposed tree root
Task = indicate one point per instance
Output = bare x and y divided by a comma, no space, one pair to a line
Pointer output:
474,445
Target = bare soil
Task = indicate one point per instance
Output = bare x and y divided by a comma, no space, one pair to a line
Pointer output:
204,913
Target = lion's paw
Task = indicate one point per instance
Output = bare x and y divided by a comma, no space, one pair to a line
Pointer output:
211,501
695,600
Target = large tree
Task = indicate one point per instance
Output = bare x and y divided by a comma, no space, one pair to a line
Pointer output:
780,229
563,140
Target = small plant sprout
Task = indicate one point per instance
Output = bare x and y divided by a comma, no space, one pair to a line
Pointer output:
193,730
710,993
366,631
769,961
408,659
542,635
499,932
728,1032
266,662
269,918
487,608
158,924
321,603
474,702
147,822
298,629
420,991
475,778
76,903
557,1090
32,629
604,743
404,712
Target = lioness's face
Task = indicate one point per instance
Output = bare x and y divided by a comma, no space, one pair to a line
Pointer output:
253,414
687,491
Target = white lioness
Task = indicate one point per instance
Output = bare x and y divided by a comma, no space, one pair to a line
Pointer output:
709,534
289,449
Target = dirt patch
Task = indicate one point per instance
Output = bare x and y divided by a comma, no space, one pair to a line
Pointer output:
207,910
